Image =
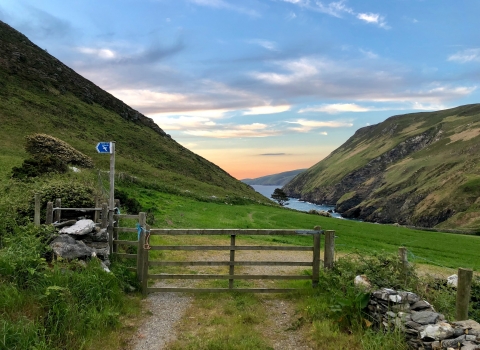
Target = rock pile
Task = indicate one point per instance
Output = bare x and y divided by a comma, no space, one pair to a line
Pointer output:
82,240
423,327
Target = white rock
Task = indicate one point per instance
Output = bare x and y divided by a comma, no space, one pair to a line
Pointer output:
362,280
81,227
452,281
437,331
395,298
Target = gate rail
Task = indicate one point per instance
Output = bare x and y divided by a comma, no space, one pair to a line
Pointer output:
143,263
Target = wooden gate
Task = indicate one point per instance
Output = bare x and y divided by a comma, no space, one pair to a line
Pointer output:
143,262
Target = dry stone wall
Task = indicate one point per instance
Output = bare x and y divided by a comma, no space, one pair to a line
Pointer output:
82,240
423,326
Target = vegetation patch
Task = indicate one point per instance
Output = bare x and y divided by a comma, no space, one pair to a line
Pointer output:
42,144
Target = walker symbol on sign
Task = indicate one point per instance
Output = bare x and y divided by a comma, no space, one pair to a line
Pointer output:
104,147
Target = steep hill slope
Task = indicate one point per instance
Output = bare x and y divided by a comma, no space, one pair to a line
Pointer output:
418,169
39,94
279,179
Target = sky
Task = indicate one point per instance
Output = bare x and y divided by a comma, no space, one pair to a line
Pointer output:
264,86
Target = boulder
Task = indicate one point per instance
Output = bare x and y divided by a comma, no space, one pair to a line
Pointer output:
362,280
437,331
80,228
452,281
425,317
69,248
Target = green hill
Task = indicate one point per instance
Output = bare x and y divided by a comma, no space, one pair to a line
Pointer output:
279,179
419,169
39,94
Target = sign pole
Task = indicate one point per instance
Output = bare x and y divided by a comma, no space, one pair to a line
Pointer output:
112,175
112,196
109,147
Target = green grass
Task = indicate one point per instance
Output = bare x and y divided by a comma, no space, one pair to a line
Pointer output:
442,249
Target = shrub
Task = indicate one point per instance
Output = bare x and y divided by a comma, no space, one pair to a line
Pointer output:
73,195
39,166
42,144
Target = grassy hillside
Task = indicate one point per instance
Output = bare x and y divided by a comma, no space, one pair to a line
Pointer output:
39,94
418,169
279,179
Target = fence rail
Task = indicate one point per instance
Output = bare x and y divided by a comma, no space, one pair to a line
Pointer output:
143,263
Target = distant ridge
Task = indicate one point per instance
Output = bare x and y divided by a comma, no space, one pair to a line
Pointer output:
279,179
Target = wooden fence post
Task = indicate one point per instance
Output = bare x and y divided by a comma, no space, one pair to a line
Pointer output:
110,230
36,216
140,249
232,260
463,293
96,215
402,254
49,218
329,250
144,255
316,257
58,212
104,215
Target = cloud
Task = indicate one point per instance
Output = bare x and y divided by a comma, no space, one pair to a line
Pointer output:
306,125
40,25
235,131
324,133
268,45
369,54
267,110
221,4
106,54
373,18
353,80
338,9
469,55
336,108
273,154
298,70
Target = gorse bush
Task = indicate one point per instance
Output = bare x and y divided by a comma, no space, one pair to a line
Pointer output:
42,144
41,165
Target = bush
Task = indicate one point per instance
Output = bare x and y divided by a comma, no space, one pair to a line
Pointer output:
42,144
41,165
73,195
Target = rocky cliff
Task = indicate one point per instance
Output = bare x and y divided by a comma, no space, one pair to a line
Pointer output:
417,169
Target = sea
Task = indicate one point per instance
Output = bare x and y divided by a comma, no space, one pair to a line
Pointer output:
294,203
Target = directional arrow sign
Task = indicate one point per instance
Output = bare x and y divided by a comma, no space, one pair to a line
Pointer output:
104,147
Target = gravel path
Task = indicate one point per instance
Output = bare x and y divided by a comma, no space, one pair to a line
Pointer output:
165,310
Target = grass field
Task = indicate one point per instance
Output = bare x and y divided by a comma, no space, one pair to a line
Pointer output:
436,248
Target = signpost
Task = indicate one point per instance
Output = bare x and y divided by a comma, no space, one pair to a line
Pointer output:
109,148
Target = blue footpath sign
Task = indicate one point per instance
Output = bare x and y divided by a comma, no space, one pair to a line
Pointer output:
104,147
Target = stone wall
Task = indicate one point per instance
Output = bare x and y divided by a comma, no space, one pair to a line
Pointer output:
424,328
82,240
